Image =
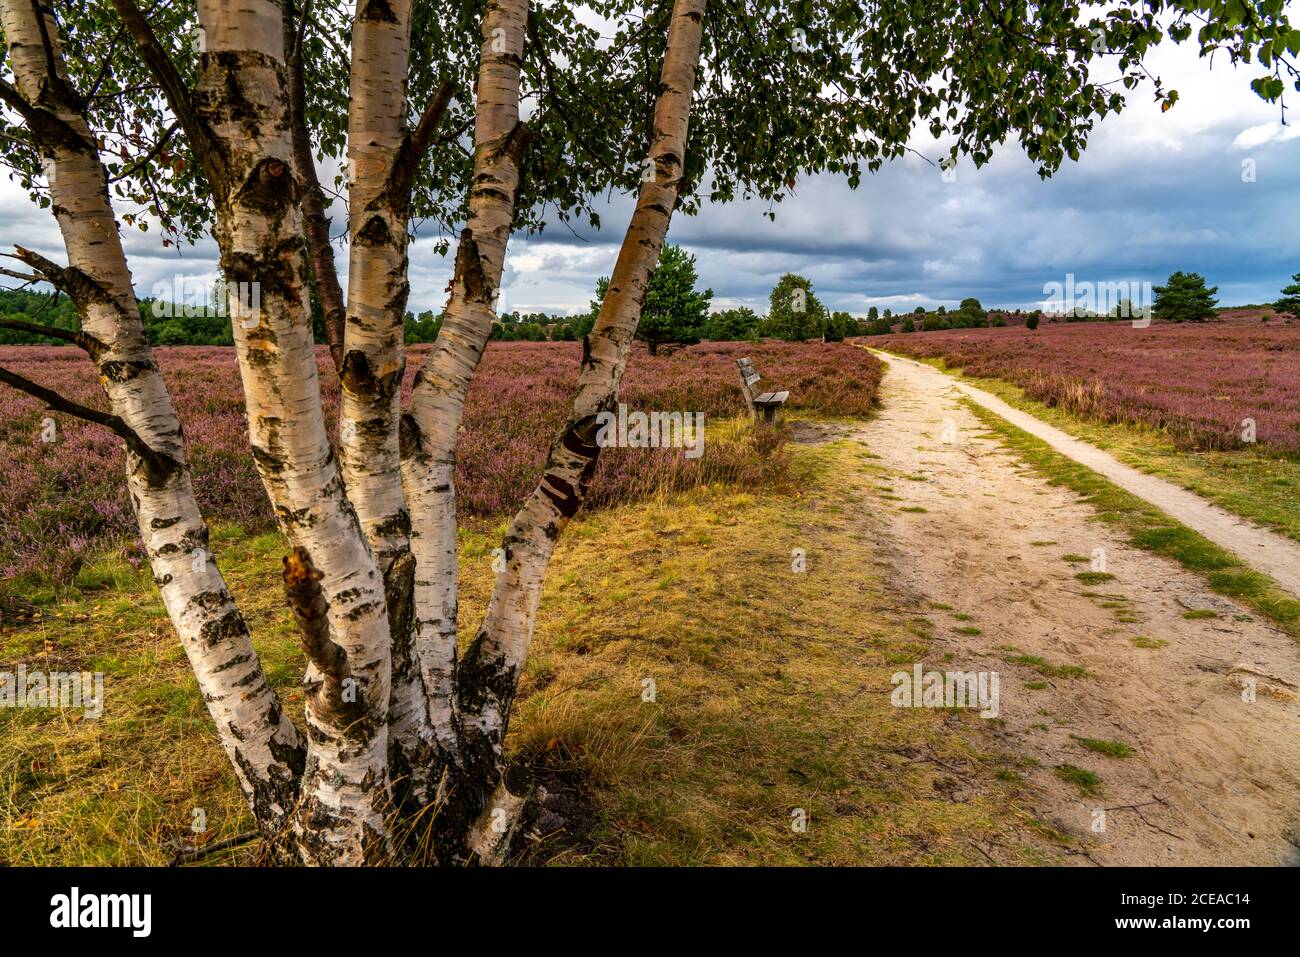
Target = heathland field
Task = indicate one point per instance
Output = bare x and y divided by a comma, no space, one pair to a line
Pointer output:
61,496
719,640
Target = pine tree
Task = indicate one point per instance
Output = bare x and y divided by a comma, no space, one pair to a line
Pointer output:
1289,304
1184,298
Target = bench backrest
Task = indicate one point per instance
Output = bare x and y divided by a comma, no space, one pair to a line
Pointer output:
748,377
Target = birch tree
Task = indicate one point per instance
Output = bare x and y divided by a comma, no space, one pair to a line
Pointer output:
491,118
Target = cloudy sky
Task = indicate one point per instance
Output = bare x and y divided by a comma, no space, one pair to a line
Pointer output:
1212,186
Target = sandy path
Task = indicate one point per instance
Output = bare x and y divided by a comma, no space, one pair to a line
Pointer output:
1216,777
1266,551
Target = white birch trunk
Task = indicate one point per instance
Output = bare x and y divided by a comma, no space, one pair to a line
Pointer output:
242,98
438,400
261,742
490,670
370,375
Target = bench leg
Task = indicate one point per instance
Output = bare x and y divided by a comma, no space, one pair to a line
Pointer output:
769,413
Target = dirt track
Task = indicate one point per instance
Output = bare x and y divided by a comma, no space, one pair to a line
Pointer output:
1213,778
1268,552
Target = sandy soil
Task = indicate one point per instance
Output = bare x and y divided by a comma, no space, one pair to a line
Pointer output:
1267,551
1213,778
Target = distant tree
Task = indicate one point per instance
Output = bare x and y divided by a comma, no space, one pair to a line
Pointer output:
1289,304
933,321
919,311
421,328
674,311
873,314
1031,320
1184,298
879,327
969,315
908,325
839,325
583,324
732,325
794,313
889,314
941,310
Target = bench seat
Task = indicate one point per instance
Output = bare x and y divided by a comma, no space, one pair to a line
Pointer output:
764,404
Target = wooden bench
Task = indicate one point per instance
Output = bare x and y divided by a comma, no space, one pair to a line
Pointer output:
765,403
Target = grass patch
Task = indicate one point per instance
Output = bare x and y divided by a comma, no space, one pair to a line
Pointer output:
1141,641
1046,668
1094,578
1087,782
1112,749
1195,613
1149,528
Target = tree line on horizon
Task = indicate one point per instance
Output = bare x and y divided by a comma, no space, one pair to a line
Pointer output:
675,313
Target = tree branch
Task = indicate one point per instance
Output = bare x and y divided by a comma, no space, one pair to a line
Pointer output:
92,345
81,288
147,158
176,92
27,278
159,464
311,613
316,225
48,128
417,142
54,79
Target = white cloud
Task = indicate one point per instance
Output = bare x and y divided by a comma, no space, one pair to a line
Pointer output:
1271,132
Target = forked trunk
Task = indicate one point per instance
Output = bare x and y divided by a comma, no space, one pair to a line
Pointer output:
372,591
242,99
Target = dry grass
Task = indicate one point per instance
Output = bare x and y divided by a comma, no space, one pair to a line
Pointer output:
771,694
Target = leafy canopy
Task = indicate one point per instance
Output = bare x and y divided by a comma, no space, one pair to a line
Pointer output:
794,312
1289,304
786,89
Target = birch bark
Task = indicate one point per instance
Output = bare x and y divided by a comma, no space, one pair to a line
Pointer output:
242,98
429,430
259,739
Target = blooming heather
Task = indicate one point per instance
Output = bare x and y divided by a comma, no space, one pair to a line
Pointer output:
63,498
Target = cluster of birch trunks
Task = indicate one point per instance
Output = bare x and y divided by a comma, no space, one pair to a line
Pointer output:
403,747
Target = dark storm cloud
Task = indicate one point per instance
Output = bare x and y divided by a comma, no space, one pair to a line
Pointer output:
1152,194
1133,210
